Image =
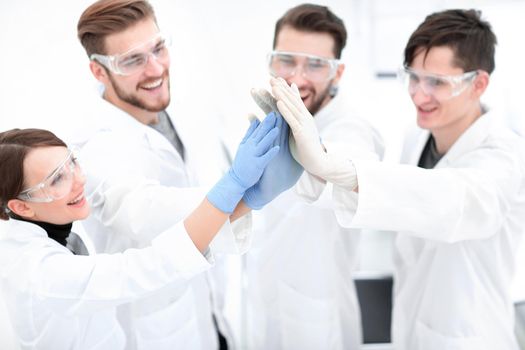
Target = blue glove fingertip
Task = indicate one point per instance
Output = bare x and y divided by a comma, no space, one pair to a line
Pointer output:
253,126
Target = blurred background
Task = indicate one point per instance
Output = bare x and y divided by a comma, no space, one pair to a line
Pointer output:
219,53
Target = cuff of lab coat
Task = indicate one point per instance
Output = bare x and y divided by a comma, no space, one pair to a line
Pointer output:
309,187
176,243
233,238
345,205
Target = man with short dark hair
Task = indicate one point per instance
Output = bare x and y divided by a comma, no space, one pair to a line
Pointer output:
300,291
457,202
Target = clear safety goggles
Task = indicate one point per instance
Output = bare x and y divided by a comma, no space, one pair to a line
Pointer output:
136,59
57,185
314,68
441,87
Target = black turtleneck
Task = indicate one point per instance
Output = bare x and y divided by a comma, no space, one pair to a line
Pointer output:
57,232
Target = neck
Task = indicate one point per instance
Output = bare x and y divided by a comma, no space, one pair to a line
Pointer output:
143,116
446,136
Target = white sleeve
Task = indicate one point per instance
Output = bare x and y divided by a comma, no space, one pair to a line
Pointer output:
469,201
233,238
309,187
345,139
143,210
74,285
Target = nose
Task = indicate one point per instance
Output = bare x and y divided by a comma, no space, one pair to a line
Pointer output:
298,76
79,178
418,95
154,66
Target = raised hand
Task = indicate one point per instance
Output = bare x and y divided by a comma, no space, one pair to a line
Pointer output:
253,155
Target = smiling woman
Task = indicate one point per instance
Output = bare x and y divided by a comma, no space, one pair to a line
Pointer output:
70,300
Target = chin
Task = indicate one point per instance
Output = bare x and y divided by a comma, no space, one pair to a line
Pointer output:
85,213
424,123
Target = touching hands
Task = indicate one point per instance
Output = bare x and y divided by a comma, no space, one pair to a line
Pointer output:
281,173
254,153
305,144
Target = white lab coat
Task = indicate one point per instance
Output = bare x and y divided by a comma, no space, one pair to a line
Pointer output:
300,292
57,300
115,148
459,228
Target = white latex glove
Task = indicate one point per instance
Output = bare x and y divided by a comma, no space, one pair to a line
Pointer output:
305,145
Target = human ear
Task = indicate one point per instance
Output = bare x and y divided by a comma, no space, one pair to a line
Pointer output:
20,208
339,73
480,83
98,71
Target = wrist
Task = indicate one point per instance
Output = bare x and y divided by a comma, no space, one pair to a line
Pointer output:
226,193
251,199
340,171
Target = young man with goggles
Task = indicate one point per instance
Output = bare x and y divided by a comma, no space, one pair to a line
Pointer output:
457,202
302,295
136,138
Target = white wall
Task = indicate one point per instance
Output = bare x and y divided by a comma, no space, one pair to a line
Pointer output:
219,54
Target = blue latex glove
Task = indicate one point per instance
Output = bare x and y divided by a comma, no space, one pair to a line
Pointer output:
255,151
280,174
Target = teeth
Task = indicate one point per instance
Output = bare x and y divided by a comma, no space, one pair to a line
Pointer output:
153,84
78,199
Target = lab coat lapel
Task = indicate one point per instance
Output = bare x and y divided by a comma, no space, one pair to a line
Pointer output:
414,145
469,140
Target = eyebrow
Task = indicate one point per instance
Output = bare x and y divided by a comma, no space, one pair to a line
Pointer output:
59,166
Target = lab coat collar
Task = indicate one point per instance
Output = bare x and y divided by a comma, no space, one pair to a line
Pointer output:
470,139
59,233
20,230
115,118
24,230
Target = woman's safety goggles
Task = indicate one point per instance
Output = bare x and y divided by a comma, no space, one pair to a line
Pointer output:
136,59
57,185
314,68
441,87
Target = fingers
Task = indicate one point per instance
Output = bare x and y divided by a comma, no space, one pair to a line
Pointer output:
267,140
290,95
279,121
264,100
254,123
294,124
284,134
266,125
285,92
251,117
268,156
295,89
287,99
283,130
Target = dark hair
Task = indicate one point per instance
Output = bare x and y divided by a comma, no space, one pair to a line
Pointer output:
106,17
14,146
314,18
470,37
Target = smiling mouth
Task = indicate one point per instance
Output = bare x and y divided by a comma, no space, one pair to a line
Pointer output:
427,109
77,200
152,85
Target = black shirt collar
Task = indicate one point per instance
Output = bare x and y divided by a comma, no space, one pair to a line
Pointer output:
57,232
